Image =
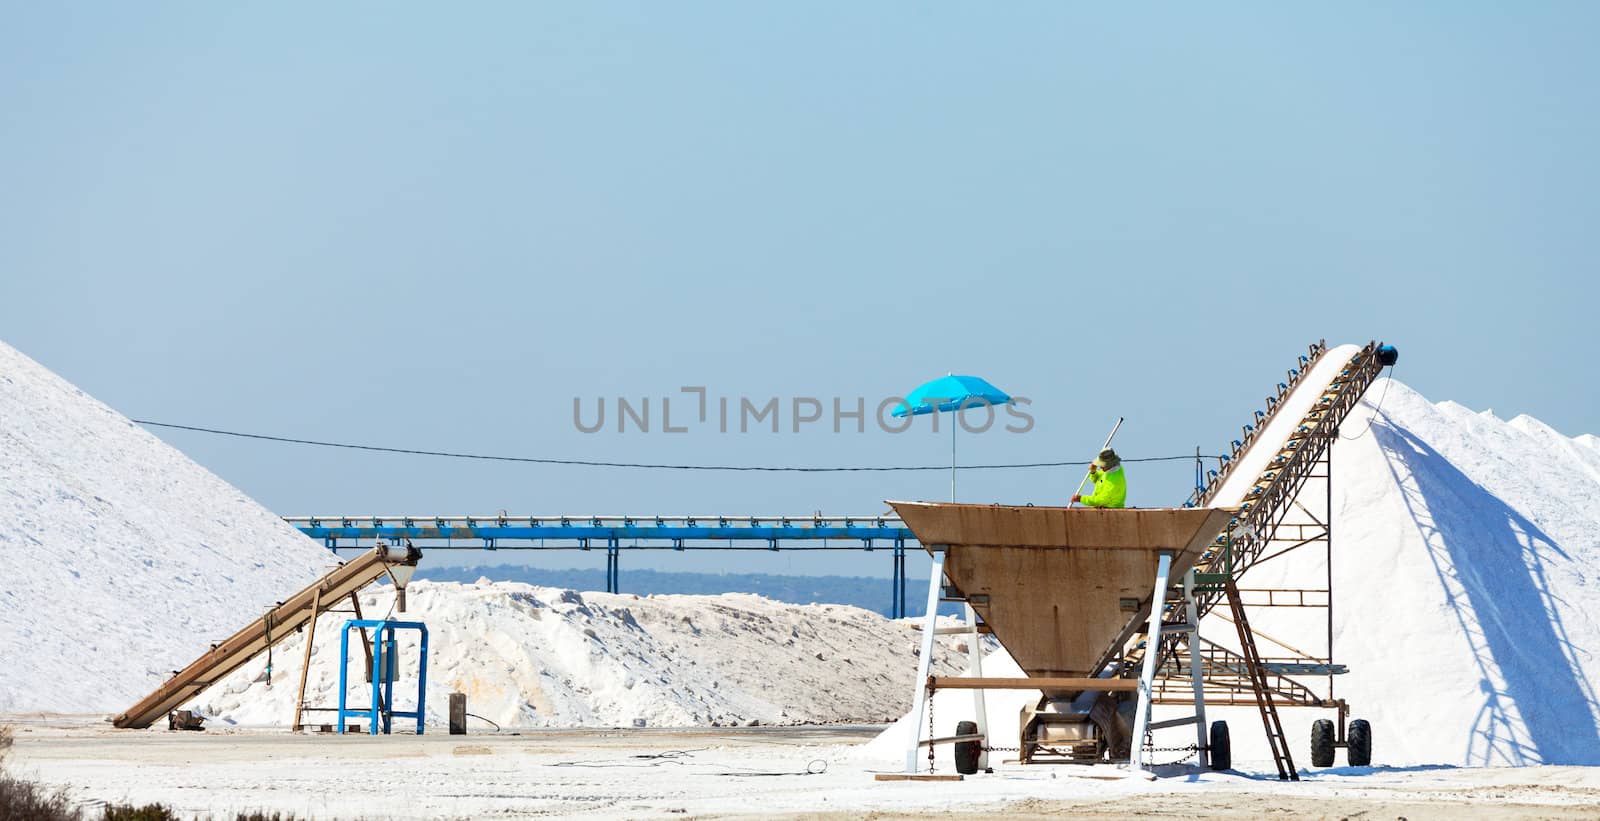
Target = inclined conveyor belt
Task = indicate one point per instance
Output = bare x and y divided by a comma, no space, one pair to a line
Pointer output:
1271,462
261,633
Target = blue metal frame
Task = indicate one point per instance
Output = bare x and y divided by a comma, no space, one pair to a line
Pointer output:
619,533
382,709
582,529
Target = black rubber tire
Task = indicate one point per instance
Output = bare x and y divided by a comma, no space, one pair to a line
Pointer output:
1359,747
967,752
1322,743
1221,746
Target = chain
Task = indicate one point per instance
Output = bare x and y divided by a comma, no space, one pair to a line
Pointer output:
1187,750
930,730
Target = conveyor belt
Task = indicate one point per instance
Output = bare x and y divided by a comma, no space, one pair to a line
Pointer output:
227,656
1283,458
1271,463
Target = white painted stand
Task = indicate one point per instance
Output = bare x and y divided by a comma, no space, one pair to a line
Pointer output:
1147,677
930,625
1192,615
980,712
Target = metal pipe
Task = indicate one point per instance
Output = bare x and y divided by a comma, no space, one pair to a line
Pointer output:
953,457
1328,528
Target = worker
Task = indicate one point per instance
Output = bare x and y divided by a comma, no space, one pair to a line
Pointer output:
1110,483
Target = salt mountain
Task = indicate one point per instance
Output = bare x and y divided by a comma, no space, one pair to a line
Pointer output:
123,559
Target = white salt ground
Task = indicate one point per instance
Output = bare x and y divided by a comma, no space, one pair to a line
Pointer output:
758,773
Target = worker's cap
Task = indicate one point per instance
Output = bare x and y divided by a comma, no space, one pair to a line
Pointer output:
1107,459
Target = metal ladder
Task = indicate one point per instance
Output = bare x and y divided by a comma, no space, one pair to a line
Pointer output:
1258,679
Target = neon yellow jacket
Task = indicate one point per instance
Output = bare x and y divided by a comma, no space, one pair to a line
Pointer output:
1110,489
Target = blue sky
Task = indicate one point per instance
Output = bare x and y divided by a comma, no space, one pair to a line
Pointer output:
423,226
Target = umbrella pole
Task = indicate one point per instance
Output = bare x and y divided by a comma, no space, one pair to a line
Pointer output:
1085,481
952,458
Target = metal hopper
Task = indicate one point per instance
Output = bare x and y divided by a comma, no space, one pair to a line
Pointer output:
1063,590
1059,586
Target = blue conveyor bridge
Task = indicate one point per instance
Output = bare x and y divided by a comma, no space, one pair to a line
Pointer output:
614,534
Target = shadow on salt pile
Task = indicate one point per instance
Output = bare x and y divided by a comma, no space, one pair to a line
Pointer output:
1485,551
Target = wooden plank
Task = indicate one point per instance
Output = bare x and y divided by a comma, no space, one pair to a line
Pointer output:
915,777
983,629
949,739
305,661
1034,683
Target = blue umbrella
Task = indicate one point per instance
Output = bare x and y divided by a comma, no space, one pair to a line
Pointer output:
951,393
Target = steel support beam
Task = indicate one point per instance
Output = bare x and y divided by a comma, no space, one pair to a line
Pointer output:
919,698
980,709
1152,647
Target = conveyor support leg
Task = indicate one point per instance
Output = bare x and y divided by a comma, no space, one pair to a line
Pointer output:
1152,649
1192,616
979,709
919,701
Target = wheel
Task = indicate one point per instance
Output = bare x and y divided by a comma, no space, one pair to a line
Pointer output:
967,752
1359,748
1221,747
1322,743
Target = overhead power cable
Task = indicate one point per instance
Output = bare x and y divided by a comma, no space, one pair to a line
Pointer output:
637,465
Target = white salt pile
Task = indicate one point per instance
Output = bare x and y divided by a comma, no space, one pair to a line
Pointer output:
123,559
537,656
